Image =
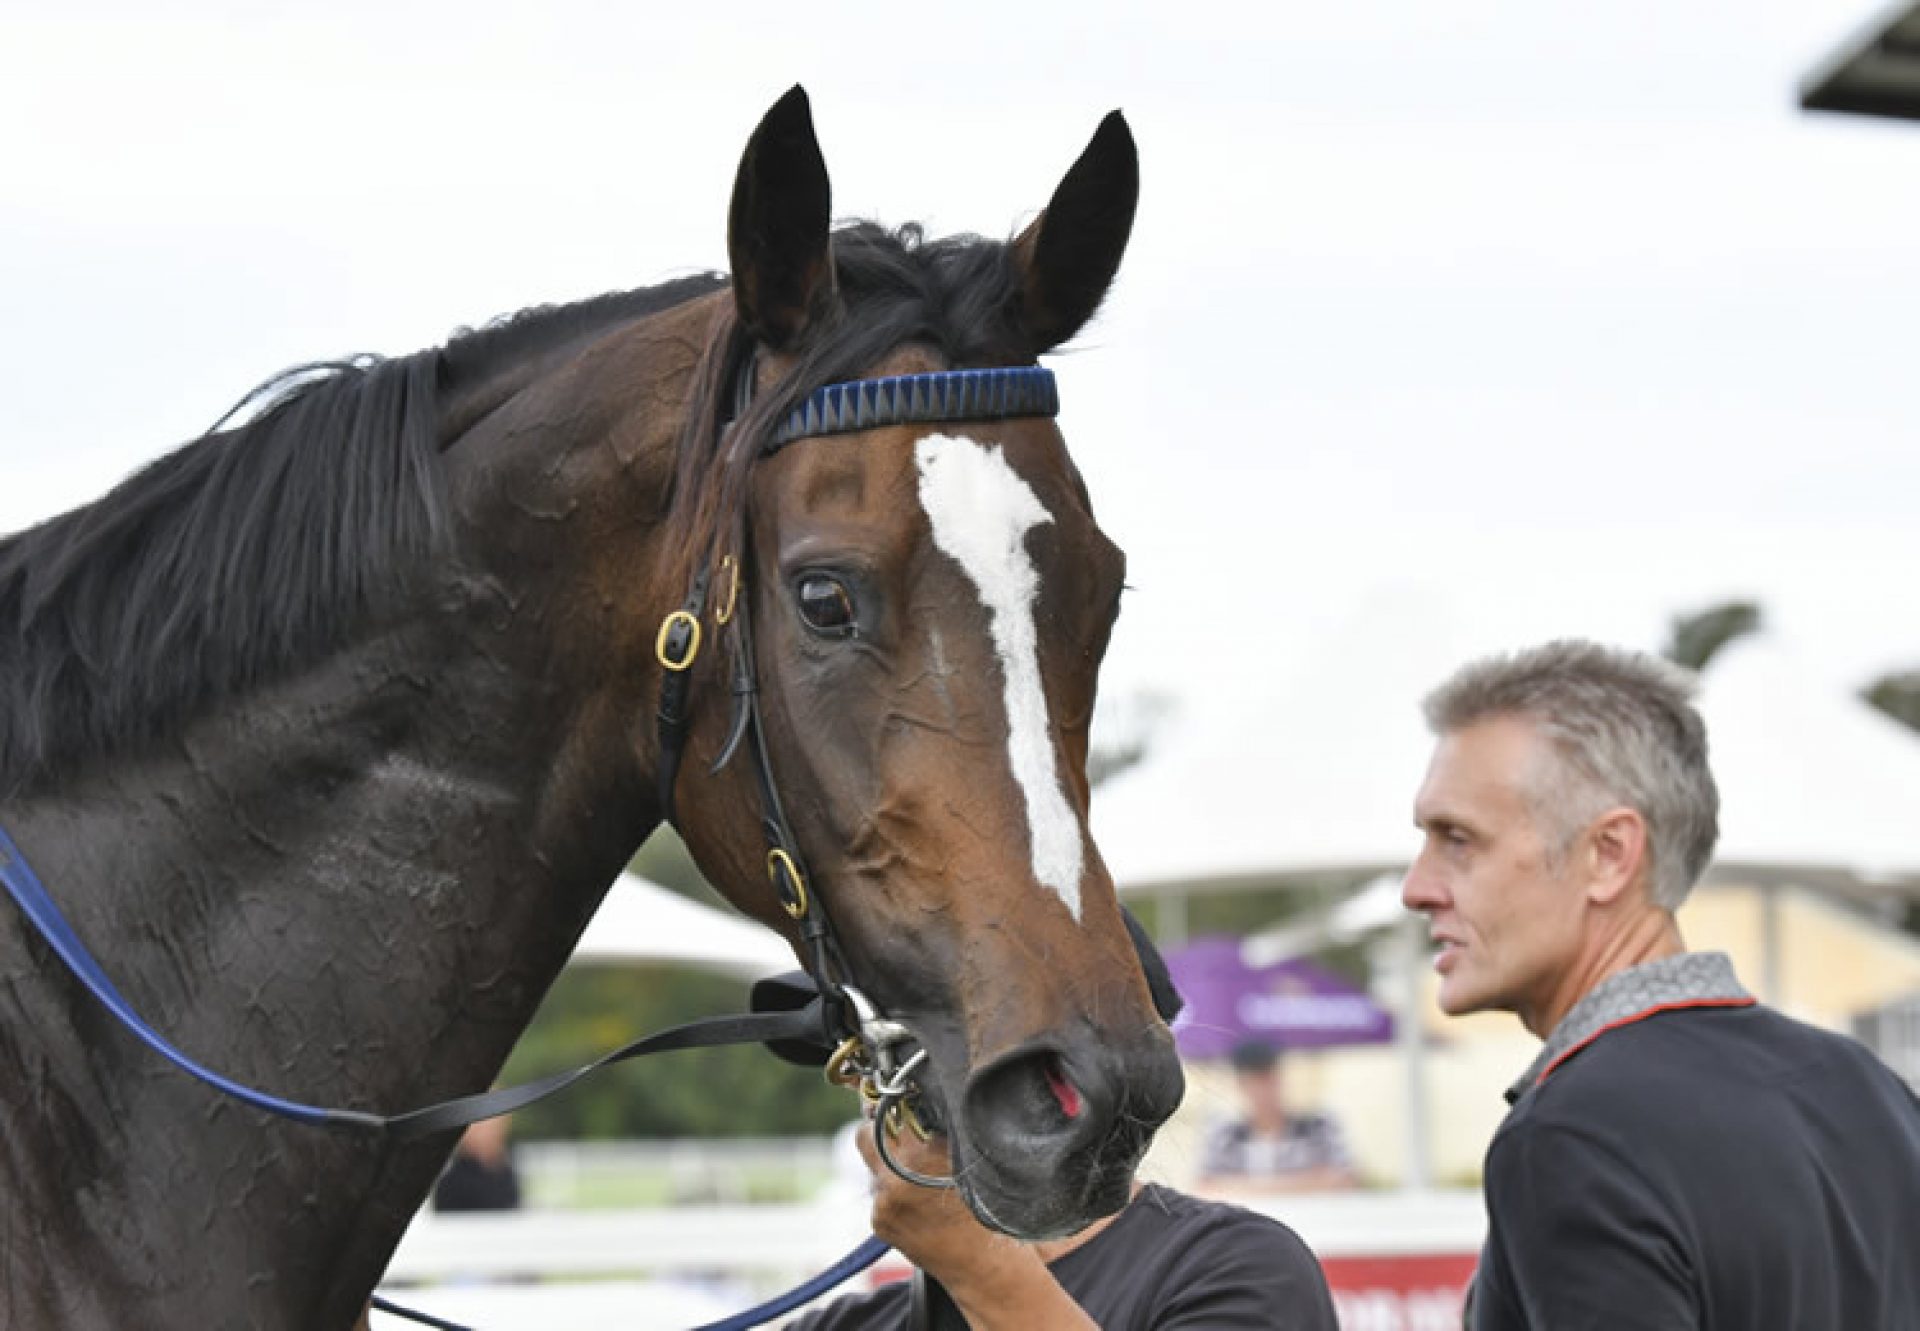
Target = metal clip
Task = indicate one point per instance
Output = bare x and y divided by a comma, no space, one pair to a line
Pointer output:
730,570
889,1112
788,883
887,1083
879,1034
847,1065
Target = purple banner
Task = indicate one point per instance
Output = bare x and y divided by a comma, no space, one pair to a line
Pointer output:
1290,1005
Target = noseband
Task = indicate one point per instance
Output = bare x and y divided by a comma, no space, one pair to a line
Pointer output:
878,1055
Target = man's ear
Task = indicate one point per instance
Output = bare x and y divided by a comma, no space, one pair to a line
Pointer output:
1616,850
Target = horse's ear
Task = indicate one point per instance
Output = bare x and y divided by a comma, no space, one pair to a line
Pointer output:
777,226
1068,257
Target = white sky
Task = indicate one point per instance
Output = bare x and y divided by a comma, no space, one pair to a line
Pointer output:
1559,312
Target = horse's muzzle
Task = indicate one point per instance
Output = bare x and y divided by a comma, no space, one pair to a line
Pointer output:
1050,1136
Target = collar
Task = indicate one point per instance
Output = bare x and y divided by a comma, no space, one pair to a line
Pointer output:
1692,979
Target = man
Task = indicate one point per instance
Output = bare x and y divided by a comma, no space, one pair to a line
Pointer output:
1270,1149
481,1175
1166,1262
1677,1155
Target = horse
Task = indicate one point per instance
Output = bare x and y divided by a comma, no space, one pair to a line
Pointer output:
330,729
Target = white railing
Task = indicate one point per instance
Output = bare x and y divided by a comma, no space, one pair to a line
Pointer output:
729,1170
677,1266
748,1241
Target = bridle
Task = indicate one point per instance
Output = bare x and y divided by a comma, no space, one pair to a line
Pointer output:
876,1054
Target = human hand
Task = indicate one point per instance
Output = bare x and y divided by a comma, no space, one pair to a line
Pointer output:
931,1226
999,1283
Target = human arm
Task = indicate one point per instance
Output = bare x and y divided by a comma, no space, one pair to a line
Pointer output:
998,1283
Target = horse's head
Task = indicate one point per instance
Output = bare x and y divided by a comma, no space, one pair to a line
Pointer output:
929,605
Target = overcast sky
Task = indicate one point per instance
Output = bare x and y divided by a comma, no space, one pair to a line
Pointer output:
1560,314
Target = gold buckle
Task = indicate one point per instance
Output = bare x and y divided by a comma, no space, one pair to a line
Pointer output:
693,642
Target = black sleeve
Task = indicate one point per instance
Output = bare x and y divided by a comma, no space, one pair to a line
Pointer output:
1578,1240
1247,1272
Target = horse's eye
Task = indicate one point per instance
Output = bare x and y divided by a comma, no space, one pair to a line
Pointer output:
826,605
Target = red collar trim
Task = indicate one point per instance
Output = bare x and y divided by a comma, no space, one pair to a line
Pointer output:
1655,1011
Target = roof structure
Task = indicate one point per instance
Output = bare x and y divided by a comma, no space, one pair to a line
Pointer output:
641,921
1877,73
1318,775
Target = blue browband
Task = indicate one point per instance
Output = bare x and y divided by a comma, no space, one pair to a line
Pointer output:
944,395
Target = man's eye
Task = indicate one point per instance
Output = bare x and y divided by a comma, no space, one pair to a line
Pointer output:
826,605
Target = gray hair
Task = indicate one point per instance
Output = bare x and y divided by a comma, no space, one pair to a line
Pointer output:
1625,731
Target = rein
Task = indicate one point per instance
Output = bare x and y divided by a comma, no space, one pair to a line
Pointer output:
801,1015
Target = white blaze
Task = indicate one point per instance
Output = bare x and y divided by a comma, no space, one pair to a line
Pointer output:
981,512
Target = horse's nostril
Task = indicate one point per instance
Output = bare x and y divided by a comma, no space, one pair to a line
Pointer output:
1029,1102
1052,1133
1065,1093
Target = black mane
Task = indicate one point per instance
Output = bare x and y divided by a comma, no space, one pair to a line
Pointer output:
957,296
251,549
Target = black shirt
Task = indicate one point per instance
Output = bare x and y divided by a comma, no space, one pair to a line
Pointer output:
1169,1261
1719,1168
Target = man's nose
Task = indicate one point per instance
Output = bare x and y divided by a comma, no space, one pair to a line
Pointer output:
1420,890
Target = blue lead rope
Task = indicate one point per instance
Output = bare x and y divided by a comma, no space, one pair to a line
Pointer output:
851,1265
25,887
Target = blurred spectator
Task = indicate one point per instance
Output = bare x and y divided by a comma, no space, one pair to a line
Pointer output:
1268,1149
481,1175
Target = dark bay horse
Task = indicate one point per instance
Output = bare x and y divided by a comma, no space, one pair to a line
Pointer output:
330,730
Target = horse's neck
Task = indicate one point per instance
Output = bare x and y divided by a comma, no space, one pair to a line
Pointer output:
428,813
389,820
350,889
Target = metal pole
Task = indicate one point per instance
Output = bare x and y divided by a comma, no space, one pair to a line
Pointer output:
1772,978
1170,913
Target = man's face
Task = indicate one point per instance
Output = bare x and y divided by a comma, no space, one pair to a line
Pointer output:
1260,1089
1506,918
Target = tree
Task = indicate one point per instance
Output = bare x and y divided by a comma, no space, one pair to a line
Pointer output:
1694,639
1898,695
735,1091
739,1090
